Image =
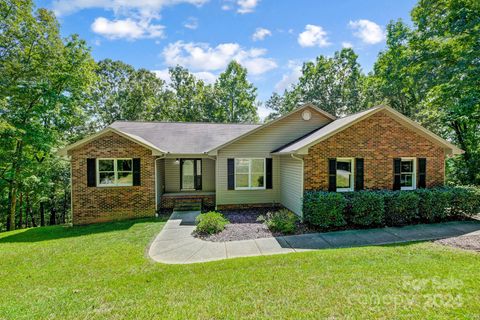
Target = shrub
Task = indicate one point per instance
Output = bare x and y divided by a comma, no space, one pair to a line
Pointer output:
366,208
433,204
464,201
211,222
283,221
401,207
324,209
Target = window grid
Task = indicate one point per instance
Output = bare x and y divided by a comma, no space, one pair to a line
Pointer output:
116,173
250,173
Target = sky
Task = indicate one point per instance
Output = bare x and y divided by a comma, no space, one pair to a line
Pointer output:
271,38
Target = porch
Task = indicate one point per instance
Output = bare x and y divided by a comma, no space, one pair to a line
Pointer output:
185,182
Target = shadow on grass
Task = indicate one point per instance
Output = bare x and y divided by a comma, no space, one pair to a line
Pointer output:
64,231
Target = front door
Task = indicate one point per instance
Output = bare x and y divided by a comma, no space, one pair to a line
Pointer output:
191,174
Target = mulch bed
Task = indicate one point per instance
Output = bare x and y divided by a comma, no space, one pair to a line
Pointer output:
463,242
244,226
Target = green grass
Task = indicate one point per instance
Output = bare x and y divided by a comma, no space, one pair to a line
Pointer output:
101,271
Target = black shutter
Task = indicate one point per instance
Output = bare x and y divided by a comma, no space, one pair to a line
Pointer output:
136,172
359,174
91,172
332,174
397,164
231,173
422,172
269,173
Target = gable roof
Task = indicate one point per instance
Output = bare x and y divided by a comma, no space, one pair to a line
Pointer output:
304,106
172,137
302,145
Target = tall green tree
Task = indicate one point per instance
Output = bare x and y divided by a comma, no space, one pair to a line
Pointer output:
235,96
334,84
431,73
43,81
123,93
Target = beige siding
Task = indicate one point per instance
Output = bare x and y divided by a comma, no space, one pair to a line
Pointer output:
172,175
259,145
291,184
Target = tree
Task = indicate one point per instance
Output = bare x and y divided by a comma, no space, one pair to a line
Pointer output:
43,79
235,96
430,72
333,84
123,93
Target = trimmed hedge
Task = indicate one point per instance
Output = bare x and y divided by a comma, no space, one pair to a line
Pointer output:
324,209
389,208
365,208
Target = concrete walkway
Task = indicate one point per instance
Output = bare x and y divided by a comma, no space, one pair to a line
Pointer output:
176,245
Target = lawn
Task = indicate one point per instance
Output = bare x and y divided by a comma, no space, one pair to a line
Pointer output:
101,271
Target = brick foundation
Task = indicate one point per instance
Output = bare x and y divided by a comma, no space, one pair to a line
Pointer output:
248,206
378,140
168,201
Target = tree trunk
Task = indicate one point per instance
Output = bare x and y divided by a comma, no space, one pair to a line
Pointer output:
42,214
12,193
64,208
29,212
20,213
53,213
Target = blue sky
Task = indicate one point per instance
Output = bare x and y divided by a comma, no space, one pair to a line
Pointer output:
270,38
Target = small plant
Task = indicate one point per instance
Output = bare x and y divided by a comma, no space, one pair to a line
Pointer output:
211,222
283,221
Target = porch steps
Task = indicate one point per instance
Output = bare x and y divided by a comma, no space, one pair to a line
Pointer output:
187,204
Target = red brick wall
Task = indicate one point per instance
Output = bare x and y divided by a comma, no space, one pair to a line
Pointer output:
99,204
378,139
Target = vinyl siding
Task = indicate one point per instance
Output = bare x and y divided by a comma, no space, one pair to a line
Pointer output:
259,145
172,175
291,184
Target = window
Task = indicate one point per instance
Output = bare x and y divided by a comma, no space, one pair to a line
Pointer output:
249,174
344,174
407,174
114,172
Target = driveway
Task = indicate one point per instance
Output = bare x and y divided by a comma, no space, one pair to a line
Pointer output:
176,245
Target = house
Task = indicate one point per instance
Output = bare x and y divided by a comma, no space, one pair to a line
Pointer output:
132,169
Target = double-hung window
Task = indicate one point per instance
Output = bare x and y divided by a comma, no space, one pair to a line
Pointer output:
407,174
344,179
114,172
250,173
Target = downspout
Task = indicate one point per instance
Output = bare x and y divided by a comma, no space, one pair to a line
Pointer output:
156,182
301,185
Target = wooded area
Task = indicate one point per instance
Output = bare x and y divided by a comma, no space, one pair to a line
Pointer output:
52,93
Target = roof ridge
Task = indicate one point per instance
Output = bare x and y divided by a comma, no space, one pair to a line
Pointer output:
187,122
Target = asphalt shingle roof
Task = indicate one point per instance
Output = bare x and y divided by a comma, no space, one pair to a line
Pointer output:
181,137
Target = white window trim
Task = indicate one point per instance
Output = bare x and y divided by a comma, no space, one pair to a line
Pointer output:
250,174
352,175
414,173
115,173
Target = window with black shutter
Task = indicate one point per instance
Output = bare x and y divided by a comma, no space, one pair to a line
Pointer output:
332,174
422,172
359,169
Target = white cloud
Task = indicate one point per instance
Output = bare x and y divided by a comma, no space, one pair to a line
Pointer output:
207,77
144,8
128,28
368,31
263,112
260,34
347,44
133,19
313,36
246,6
290,77
191,23
203,57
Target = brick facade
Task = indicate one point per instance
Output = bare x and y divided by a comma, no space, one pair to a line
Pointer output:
168,201
378,139
99,204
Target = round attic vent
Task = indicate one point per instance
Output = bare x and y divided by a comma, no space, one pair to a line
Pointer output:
306,115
